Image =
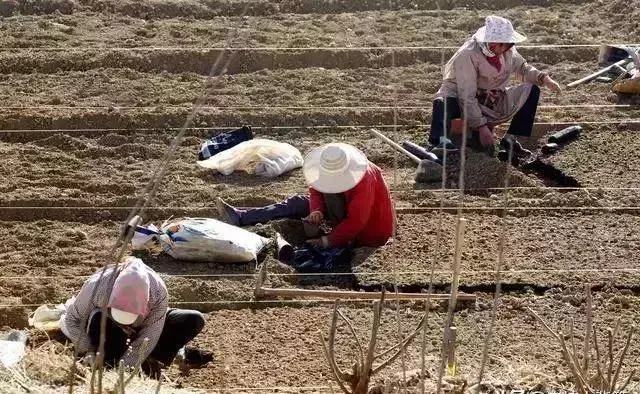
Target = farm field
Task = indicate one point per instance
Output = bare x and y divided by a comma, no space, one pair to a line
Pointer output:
93,92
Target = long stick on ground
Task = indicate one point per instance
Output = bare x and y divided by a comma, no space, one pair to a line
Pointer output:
397,147
369,295
596,74
261,292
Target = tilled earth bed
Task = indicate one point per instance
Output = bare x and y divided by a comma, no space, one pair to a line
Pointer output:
94,92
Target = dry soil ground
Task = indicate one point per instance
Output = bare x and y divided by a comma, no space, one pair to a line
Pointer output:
92,93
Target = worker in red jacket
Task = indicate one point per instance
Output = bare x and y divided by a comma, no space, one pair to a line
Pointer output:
347,192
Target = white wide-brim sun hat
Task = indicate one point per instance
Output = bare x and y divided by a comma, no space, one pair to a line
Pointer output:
334,168
499,30
123,317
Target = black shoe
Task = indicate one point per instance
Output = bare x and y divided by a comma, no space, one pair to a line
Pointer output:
444,146
503,155
518,151
227,213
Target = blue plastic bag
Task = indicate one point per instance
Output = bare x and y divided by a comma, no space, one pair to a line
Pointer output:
224,141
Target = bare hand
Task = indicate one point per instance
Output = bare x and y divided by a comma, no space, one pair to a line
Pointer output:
486,136
88,360
552,85
315,217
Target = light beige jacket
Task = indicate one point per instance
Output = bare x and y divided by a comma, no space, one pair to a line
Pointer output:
468,74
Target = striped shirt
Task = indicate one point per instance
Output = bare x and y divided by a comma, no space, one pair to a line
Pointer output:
93,295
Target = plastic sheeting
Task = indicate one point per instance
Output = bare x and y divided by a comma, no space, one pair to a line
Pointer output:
260,157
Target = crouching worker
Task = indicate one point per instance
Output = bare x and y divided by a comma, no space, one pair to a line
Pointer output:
347,192
475,88
137,309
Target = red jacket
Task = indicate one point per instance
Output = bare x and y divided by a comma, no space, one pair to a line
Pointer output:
370,218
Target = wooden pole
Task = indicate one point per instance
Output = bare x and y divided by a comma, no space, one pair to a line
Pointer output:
344,294
451,352
453,298
598,73
263,292
397,147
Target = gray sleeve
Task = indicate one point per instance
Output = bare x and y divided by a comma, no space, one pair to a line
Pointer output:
77,317
151,328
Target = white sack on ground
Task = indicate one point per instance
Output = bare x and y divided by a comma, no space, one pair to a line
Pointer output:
261,157
203,240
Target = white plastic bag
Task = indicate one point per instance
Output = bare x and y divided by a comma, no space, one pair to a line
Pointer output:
261,157
207,240
12,348
47,318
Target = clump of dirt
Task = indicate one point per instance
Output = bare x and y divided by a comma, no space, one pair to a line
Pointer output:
189,290
11,7
280,274
113,140
482,172
64,142
13,317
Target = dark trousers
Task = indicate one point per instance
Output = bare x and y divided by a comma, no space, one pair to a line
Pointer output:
446,109
295,207
180,327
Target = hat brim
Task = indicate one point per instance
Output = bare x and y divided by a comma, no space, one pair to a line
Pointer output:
123,317
514,39
335,182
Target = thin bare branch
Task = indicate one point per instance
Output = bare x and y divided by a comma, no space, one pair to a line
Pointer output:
587,331
423,347
598,355
402,350
72,375
353,332
93,377
410,337
621,360
331,362
159,386
402,345
544,324
365,370
610,347
332,339
120,384
460,230
581,382
616,328
377,312
626,383
574,354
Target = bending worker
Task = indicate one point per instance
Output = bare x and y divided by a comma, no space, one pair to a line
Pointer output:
475,87
347,192
138,309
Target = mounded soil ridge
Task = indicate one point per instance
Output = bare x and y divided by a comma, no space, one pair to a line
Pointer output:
237,61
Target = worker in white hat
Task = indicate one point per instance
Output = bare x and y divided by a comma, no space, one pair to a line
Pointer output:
347,192
475,89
